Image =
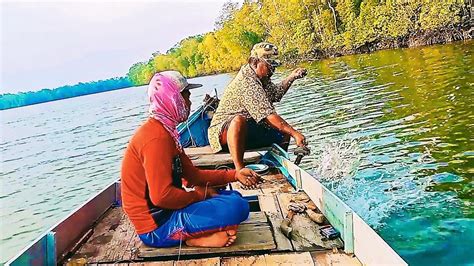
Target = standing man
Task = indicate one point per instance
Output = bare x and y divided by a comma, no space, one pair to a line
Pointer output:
246,117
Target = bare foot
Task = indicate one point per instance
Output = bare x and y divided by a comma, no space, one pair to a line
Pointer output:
232,234
214,240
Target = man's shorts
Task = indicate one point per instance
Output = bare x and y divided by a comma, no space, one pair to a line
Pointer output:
258,135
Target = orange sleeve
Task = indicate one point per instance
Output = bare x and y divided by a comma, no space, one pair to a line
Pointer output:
199,177
157,159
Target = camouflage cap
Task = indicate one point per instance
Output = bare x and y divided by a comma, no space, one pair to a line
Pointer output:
266,51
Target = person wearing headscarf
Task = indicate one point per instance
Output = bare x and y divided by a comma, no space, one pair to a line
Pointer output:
163,212
246,117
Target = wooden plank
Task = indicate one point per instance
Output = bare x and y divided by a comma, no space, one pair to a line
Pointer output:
207,150
150,263
253,227
245,192
305,235
204,157
329,258
133,246
269,205
199,262
198,150
243,260
120,247
250,237
256,217
270,259
247,241
255,224
219,159
370,248
299,259
114,240
275,183
71,229
282,242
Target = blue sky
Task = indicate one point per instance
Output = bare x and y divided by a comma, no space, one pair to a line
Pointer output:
50,44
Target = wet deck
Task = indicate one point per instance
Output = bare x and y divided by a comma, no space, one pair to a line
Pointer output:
260,240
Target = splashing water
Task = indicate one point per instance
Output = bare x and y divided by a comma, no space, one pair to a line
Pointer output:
337,159
373,193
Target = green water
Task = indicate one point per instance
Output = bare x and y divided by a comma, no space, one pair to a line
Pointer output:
410,112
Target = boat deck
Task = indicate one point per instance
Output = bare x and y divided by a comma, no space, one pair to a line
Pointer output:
260,240
204,157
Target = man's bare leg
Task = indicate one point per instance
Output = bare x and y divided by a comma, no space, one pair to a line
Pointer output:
285,142
236,140
214,240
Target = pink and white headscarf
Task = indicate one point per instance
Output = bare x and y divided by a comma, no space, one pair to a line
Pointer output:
167,105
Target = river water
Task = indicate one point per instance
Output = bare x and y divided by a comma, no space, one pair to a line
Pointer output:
401,122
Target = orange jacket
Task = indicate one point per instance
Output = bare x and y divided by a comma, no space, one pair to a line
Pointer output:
147,176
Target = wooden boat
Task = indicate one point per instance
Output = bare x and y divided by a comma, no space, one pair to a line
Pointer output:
98,232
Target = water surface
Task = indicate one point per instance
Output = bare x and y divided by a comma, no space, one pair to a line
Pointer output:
409,112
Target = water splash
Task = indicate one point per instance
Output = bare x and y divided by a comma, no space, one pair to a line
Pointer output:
337,159
374,192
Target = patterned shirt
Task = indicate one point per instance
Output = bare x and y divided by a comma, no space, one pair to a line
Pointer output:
246,96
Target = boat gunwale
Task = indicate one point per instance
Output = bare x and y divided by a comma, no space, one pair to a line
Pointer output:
50,236
352,223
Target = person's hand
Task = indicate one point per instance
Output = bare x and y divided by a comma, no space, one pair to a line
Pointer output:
300,139
298,73
207,193
248,178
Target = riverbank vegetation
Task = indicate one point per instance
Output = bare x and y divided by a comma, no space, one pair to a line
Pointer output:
309,30
10,100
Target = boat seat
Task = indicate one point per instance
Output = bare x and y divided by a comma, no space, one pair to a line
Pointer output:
254,234
204,156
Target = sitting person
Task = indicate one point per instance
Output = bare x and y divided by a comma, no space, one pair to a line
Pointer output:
246,117
154,164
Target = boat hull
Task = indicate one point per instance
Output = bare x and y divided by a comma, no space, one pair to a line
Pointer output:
358,237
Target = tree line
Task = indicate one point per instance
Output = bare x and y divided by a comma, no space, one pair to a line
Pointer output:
308,30
10,100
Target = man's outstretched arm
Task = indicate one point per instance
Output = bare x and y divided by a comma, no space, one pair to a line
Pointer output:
296,74
280,89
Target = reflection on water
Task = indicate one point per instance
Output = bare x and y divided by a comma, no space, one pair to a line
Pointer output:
410,111
407,114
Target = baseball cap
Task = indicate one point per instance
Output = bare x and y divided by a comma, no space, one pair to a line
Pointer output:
183,84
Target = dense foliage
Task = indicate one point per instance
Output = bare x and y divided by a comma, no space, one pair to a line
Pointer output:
9,100
302,29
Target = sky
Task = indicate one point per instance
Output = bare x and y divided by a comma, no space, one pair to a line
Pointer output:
54,43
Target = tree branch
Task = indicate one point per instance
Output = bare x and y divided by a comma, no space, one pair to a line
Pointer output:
334,15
